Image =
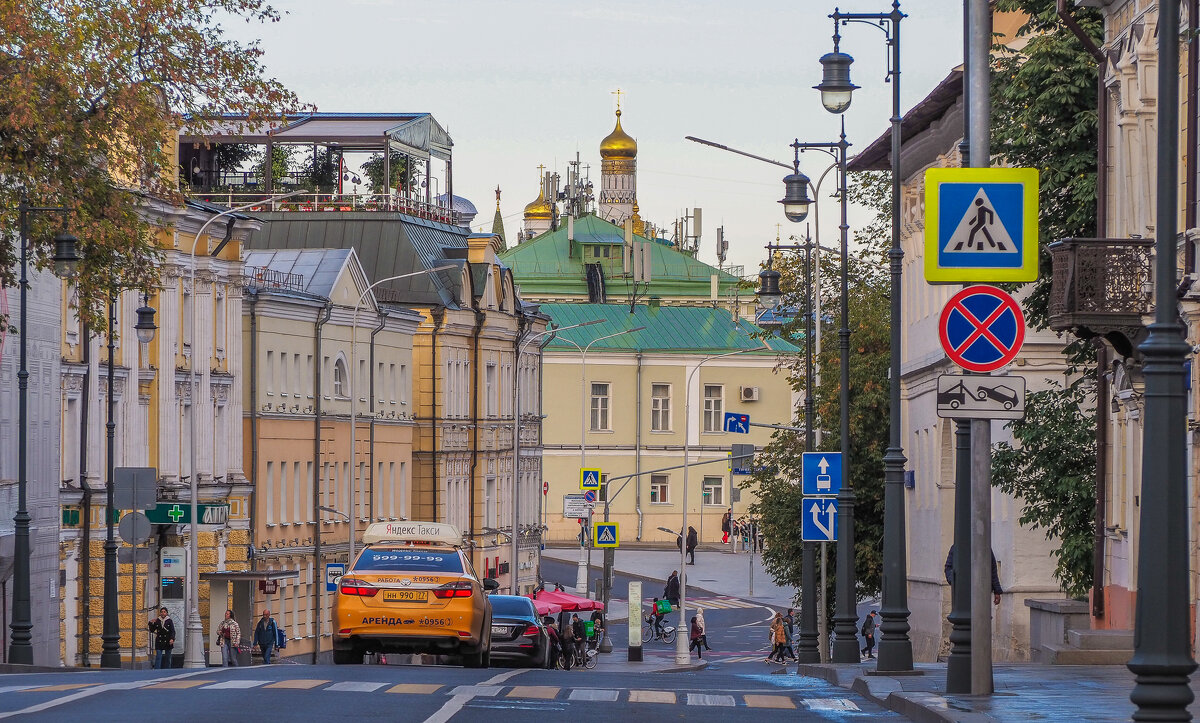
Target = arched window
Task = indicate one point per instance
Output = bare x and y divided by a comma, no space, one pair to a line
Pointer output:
341,382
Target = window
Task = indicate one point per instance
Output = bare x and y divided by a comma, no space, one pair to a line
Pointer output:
490,503
712,491
660,489
490,392
660,407
270,372
341,383
600,402
602,495
714,407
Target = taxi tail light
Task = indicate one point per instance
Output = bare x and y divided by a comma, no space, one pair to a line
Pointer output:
461,588
532,631
362,588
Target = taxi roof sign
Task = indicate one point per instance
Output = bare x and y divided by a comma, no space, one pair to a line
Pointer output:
427,532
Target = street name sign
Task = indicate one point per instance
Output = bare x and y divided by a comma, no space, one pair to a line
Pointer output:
180,513
737,423
589,478
819,519
606,534
981,225
982,328
333,574
980,397
822,473
575,506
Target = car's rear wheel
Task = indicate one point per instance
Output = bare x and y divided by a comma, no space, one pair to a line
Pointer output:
347,657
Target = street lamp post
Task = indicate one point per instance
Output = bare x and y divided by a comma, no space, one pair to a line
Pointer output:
895,647
66,259
1162,660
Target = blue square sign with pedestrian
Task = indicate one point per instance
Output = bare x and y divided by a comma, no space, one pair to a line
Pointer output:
822,473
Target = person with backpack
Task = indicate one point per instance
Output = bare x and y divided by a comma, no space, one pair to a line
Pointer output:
266,635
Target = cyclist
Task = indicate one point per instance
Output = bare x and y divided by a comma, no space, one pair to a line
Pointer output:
656,618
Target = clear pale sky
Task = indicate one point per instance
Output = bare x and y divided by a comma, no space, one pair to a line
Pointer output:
519,84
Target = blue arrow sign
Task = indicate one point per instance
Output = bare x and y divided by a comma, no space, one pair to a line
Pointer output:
822,472
818,519
738,423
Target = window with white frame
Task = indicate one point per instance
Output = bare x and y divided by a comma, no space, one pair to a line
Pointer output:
341,384
714,407
660,489
600,405
660,407
712,491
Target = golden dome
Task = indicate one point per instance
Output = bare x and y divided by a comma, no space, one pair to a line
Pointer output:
618,144
539,209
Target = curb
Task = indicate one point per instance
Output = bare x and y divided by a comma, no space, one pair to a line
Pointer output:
18,668
690,668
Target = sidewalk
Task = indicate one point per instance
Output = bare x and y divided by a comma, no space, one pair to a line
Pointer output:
716,573
1023,692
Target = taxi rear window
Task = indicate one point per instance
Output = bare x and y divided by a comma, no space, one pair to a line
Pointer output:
406,560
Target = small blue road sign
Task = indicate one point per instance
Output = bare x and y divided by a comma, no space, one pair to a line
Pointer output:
606,534
589,496
333,574
819,523
589,478
739,423
822,473
981,224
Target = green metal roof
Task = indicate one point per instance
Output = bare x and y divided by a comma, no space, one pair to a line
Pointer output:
548,265
668,328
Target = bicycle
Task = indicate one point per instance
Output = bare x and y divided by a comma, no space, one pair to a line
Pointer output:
591,650
664,633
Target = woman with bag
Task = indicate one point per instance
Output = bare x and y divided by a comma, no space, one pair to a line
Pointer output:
778,638
229,637
703,629
696,639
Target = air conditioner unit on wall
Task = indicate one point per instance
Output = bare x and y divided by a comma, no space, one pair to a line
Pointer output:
749,394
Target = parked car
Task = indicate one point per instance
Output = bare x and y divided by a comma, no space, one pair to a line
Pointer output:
518,632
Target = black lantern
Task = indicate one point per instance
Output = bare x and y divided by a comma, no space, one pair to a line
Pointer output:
795,197
145,325
66,257
768,287
836,88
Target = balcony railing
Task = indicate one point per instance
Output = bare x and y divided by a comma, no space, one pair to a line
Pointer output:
1102,287
334,202
260,277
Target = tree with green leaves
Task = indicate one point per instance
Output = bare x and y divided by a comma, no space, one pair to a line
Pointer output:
92,93
372,168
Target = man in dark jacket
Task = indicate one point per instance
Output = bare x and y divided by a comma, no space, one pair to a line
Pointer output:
266,635
566,641
671,592
692,540
555,643
163,630
997,591
580,632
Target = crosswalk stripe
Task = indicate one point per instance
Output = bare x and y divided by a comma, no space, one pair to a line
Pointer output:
177,684
238,684
722,603
489,691
707,699
14,688
541,692
768,701
831,704
596,694
298,684
417,688
354,686
56,688
651,696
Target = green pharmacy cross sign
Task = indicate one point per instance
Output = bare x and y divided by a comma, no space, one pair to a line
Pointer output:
175,513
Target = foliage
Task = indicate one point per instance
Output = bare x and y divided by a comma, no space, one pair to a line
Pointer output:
91,95
233,156
1053,472
776,485
372,168
320,170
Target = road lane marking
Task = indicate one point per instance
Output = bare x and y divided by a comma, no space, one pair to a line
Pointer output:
418,688
88,692
458,700
177,684
488,691
296,684
541,692
841,704
713,700
356,686
768,701
54,688
236,684
652,696
770,616
593,694
15,688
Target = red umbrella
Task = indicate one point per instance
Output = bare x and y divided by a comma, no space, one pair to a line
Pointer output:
569,602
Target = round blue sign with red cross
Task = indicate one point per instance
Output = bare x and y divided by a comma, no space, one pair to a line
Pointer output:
982,328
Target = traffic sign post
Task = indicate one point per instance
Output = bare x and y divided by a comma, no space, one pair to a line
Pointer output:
590,496
819,519
822,473
589,478
606,534
980,397
737,423
982,328
981,224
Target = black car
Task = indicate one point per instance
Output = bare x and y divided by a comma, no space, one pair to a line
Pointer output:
517,631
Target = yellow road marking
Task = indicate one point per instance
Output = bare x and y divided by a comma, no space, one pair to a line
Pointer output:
420,688
298,684
544,692
769,701
651,696
178,684
64,686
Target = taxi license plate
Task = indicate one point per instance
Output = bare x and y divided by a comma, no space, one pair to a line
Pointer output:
404,596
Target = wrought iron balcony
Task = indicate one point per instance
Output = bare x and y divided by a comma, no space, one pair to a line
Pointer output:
1102,287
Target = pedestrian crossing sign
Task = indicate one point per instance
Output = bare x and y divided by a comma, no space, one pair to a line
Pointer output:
606,534
589,478
981,225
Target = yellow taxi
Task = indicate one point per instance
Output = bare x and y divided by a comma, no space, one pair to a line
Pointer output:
412,590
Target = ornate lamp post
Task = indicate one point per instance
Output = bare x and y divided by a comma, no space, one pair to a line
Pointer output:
895,647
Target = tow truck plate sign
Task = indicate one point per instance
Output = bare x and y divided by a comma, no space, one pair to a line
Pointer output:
980,397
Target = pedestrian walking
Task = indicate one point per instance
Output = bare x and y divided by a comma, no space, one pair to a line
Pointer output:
696,639
229,638
777,638
789,629
566,638
555,642
868,633
671,591
997,591
703,628
692,541
266,635
580,633
726,526
163,630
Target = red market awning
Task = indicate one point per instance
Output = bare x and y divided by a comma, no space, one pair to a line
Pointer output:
545,607
569,602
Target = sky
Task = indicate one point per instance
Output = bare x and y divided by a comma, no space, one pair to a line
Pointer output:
523,83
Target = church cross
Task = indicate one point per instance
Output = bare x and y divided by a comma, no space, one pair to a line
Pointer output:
618,92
